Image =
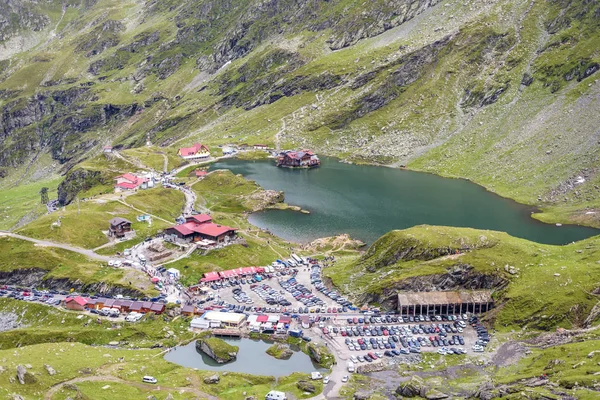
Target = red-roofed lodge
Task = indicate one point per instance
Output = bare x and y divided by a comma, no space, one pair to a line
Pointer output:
200,227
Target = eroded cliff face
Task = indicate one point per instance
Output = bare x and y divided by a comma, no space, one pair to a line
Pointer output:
38,278
458,277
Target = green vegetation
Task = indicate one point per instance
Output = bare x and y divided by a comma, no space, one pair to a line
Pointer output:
66,268
154,157
83,224
85,371
164,203
23,201
280,351
222,191
46,324
220,348
255,252
253,155
550,285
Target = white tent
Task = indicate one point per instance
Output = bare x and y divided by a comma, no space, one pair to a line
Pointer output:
174,272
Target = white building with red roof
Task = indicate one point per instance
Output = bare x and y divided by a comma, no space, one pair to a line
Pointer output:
200,227
130,182
196,152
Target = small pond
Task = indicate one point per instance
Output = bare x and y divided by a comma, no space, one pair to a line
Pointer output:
252,359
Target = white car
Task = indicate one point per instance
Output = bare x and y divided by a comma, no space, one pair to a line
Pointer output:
326,380
111,263
345,378
354,359
149,379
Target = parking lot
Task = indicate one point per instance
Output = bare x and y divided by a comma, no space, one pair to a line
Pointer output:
373,338
297,290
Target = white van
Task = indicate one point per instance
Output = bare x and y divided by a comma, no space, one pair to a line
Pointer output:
149,379
315,376
350,366
275,395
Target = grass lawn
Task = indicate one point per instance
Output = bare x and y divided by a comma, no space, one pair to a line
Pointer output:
257,253
83,225
16,202
105,373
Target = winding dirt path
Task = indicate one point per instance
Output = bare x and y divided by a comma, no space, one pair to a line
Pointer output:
107,378
88,253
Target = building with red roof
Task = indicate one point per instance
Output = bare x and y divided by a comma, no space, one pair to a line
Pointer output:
200,227
298,159
130,182
200,173
197,151
76,303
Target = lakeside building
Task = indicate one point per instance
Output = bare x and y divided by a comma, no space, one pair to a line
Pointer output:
200,227
298,159
223,319
197,152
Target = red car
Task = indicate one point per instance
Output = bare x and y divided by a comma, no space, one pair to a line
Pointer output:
385,332
343,333
325,331
334,310
329,310
355,320
373,356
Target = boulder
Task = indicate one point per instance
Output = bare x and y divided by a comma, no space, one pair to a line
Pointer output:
17,397
51,371
411,388
24,376
212,379
70,386
250,398
306,386
361,396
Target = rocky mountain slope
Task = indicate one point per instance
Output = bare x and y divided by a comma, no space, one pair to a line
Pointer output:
503,92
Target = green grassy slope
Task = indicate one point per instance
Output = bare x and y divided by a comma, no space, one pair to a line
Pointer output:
485,93
552,285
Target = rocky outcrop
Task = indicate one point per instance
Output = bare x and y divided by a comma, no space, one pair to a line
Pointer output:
76,181
306,386
320,354
211,380
458,277
51,371
101,38
415,387
25,377
217,349
280,351
37,277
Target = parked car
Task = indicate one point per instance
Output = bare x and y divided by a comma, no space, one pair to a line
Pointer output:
149,379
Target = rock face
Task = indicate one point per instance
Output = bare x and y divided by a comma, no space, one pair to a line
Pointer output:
212,379
411,388
35,277
280,351
306,386
217,349
76,181
25,377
